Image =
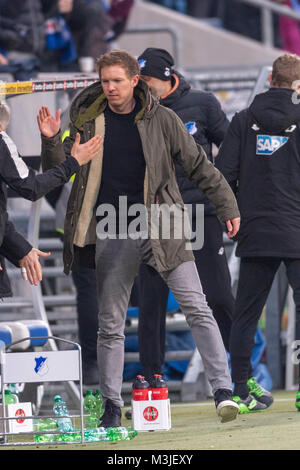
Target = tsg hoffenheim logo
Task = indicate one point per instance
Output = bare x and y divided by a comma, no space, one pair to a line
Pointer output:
41,365
142,63
191,127
269,144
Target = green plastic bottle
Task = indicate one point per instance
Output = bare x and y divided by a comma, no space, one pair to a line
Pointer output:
63,420
121,434
90,407
47,438
9,398
45,424
95,435
99,400
14,390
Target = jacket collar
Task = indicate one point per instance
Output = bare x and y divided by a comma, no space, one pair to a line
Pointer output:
92,101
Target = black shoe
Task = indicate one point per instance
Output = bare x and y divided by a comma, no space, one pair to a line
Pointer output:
128,414
226,407
111,417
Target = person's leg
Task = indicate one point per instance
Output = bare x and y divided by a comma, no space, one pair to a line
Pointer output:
293,275
255,281
153,300
117,264
87,314
185,284
212,267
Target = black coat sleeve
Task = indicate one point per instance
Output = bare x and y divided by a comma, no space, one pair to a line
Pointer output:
14,246
217,122
15,173
228,159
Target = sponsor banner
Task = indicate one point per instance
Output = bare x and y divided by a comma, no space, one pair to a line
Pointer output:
18,88
15,88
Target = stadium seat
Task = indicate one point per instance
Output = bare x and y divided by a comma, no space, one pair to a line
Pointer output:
37,329
11,332
5,334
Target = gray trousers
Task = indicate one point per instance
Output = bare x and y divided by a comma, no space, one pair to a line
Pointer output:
117,265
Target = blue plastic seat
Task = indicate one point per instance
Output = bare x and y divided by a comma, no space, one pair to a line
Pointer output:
19,330
5,335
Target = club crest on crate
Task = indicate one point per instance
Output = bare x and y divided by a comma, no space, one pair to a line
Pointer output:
41,365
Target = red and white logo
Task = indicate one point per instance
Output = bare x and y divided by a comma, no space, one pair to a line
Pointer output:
20,412
150,413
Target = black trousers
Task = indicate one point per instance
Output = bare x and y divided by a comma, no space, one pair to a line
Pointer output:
255,281
153,294
87,314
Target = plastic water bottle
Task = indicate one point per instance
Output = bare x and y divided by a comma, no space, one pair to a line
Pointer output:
43,425
9,397
14,390
96,434
47,438
44,438
60,409
99,400
121,434
90,407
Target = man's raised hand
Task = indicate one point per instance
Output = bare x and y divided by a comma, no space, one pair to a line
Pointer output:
48,125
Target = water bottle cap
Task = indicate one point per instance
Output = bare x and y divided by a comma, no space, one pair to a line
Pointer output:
57,398
7,392
89,392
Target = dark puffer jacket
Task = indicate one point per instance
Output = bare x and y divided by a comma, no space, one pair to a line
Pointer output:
12,245
260,158
23,180
206,122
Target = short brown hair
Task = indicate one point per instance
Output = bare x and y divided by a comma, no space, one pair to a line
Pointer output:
121,58
286,70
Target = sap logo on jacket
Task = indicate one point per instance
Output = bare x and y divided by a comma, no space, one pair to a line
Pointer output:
269,144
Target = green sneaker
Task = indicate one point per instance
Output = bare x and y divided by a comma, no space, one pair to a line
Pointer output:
297,402
259,393
249,405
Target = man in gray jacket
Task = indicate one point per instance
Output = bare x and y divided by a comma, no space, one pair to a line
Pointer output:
142,140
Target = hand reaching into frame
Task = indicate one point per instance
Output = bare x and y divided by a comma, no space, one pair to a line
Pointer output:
49,126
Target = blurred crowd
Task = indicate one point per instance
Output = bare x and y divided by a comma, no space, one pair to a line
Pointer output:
242,18
53,35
